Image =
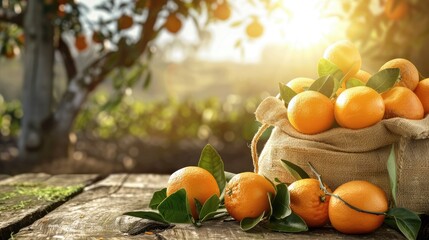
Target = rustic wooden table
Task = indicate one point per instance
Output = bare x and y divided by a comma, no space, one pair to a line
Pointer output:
41,206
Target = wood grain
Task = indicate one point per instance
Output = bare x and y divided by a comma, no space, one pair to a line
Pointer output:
21,210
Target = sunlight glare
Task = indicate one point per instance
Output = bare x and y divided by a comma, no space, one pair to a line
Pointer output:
306,27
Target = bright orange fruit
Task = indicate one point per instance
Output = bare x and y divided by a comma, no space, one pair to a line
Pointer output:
309,202
422,92
402,102
246,195
363,195
359,107
198,183
310,112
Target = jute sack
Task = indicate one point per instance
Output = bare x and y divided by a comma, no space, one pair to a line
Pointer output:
341,155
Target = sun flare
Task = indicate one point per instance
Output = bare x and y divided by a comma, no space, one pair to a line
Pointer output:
306,25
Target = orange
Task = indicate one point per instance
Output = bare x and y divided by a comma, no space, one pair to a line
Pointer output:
198,183
125,22
97,37
363,195
408,72
359,107
300,84
246,195
309,202
310,112
80,42
361,75
402,102
222,11
254,29
173,24
345,55
396,9
422,92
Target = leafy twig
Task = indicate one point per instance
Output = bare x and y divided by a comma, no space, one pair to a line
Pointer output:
319,177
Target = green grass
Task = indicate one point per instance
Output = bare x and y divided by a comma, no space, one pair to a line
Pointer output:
27,193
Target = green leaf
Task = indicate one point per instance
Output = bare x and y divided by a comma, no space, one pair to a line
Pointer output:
157,198
296,171
326,67
151,215
198,206
236,23
391,170
175,208
229,175
211,161
353,82
405,220
248,223
281,202
293,223
211,205
147,80
286,93
383,80
221,212
324,85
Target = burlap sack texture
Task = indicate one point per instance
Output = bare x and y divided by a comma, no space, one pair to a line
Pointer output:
341,155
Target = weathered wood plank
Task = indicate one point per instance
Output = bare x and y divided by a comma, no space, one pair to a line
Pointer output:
96,213
27,197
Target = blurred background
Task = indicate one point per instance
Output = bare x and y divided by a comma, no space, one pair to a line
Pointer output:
143,85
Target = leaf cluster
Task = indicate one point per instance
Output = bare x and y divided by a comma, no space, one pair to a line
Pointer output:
331,78
175,120
384,38
175,208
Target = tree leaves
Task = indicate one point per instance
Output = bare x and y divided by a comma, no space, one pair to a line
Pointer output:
157,198
278,217
391,170
209,207
384,80
249,223
286,93
293,223
405,220
281,202
212,162
296,171
175,208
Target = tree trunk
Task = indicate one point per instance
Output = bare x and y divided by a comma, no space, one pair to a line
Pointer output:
38,80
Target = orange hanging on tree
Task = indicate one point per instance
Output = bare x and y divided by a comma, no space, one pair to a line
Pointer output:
173,23
125,22
80,42
255,29
396,9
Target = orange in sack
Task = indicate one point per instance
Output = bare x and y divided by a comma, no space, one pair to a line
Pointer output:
310,112
402,102
422,92
359,107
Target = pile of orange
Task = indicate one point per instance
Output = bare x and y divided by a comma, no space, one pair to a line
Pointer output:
317,208
357,106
